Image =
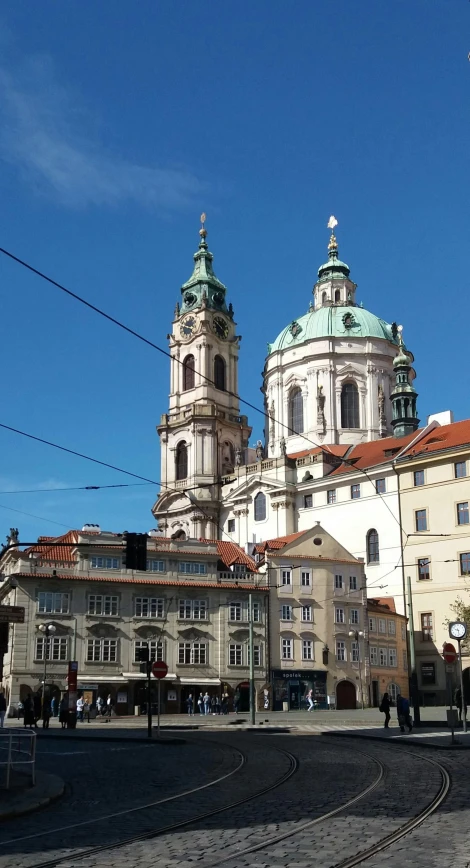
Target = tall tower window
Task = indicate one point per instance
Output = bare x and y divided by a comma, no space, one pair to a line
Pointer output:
337,295
296,412
373,556
219,373
188,373
260,506
349,406
323,297
181,460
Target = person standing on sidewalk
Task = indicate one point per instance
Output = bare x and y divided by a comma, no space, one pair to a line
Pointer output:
3,708
207,703
190,705
200,704
384,707
309,699
80,704
403,713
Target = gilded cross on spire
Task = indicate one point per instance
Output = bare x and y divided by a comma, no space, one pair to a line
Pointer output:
332,223
203,230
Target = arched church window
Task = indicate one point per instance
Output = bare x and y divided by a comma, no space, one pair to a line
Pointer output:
349,406
181,460
296,412
323,297
337,295
260,506
188,373
219,373
373,554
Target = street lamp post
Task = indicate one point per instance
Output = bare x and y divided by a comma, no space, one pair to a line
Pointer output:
48,630
355,634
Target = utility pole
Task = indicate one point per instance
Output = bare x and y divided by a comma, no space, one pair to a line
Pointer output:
149,699
357,634
413,673
252,662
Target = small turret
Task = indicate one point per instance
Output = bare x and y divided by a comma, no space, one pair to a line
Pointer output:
203,289
333,286
404,395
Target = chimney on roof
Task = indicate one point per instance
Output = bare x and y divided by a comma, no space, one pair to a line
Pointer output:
445,417
93,527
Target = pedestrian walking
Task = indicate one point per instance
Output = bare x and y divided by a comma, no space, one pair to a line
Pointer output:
236,701
309,699
109,708
225,703
207,703
28,705
99,705
86,711
384,707
190,705
46,713
80,704
54,706
217,704
64,711
3,708
403,713
200,703
37,708
458,702
213,712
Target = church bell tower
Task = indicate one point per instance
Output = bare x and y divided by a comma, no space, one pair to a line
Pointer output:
202,436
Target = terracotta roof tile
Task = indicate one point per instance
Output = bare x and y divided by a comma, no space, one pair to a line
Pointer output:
445,437
375,452
148,580
279,542
231,553
335,449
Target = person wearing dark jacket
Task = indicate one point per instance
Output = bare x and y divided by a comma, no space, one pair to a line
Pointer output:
385,708
403,713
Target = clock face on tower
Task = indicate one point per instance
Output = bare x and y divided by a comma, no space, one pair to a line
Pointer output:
220,327
188,326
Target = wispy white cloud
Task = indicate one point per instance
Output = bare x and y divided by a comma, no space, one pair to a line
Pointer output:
7,485
47,137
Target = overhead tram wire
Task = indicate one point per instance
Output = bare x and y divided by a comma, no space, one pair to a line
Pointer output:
164,352
75,488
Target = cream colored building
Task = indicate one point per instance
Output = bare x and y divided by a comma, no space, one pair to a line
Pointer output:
434,485
317,597
191,606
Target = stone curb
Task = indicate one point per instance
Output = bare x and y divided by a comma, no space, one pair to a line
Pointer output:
426,743
47,789
71,736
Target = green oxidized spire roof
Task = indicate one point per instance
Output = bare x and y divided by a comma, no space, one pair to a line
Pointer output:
334,267
203,289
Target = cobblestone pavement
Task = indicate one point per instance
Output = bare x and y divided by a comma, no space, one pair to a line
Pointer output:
103,779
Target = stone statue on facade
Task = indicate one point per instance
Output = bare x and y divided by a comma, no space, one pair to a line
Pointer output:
271,422
382,416
321,420
13,536
283,446
238,457
259,451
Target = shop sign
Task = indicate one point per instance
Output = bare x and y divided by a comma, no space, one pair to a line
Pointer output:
82,686
307,675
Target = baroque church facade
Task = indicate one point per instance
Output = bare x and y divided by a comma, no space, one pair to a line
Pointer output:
337,378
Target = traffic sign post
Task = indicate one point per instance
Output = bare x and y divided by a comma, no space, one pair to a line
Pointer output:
450,657
458,630
12,614
159,670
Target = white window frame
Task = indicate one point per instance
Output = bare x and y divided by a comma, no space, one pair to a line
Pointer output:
353,583
372,625
382,626
103,605
339,615
257,655
383,657
392,630
339,584
256,612
354,616
305,579
341,653
192,568
287,649
286,612
306,614
374,655
149,607
354,651
197,652
392,658
53,602
235,611
331,496
156,648
192,610
156,566
307,649
100,562
102,650
286,578
56,648
235,654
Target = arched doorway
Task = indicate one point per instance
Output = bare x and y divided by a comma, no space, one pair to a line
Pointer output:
345,695
243,690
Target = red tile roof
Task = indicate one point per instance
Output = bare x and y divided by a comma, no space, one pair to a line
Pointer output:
445,437
241,585
373,453
279,542
385,602
335,449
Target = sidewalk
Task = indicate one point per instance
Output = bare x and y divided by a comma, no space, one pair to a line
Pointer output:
24,799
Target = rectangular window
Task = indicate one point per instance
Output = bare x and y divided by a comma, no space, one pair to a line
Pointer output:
421,521
339,616
235,612
286,577
354,652
374,655
392,657
372,625
382,656
353,583
305,579
286,649
428,673
403,631
418,477
100,563
341,651
99,604
338,583
382,626
331,495
307,649
423,569
380,486
426,626
155,647
156,566
306,613
192,568
235,655
355,491
286,613
193,609
231,525
256,612
462,513
405,661
465,564
460,468
53,648
256,655
192,653
308,501
149,607
102,650
392,628
53,603
354,616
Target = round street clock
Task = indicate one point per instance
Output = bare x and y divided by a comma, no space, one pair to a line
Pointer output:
457,630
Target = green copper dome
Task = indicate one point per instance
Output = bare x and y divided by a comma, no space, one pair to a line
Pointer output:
338,322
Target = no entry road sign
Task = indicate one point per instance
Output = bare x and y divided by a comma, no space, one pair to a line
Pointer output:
449,653
159,669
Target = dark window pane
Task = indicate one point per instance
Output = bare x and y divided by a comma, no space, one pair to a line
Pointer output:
423,569
462,513
419,477
260,507
372,547
355,491
380,486
465,564
231,525
188,373
349,406
308,501
296,412
181,461
460,469
421,520
219,373
331,496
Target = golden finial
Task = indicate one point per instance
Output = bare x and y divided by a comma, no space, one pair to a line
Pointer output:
203,230
332,222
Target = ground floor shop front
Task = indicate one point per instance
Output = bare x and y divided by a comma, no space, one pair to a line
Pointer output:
290,689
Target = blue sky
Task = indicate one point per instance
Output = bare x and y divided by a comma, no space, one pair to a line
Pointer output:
121,122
